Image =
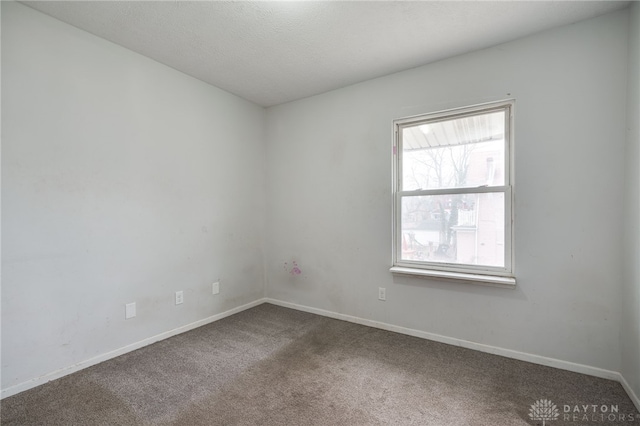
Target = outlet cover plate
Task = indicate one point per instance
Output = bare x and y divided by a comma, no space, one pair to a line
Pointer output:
382,293
130,310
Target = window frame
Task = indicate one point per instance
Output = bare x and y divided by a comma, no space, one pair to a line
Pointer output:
490,275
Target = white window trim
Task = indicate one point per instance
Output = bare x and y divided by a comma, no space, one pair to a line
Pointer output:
485,275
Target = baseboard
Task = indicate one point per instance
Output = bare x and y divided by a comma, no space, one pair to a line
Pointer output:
522,356
627,387
21,387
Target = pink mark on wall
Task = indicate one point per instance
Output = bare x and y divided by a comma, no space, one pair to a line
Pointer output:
294,269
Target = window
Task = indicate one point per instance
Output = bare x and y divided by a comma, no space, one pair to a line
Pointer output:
453,194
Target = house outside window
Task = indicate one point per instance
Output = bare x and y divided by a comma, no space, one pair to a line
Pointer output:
453,194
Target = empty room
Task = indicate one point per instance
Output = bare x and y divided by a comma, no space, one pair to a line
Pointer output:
320,213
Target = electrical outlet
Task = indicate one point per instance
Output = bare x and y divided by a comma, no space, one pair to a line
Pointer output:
130,310
382,293
179,297
215,287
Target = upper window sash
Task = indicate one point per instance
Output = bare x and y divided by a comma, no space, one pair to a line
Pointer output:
417,122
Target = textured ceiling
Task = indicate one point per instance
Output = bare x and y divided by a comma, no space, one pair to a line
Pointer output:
274,52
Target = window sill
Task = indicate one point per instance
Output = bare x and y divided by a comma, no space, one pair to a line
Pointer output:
490,280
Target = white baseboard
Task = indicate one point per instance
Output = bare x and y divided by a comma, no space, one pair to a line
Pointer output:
522,356
21,387
627,387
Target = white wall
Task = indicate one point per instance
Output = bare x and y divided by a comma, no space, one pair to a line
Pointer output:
329,185
122,180
630,335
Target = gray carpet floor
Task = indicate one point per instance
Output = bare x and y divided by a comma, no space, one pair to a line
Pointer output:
276,366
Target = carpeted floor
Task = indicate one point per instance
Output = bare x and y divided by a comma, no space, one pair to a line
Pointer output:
276,366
